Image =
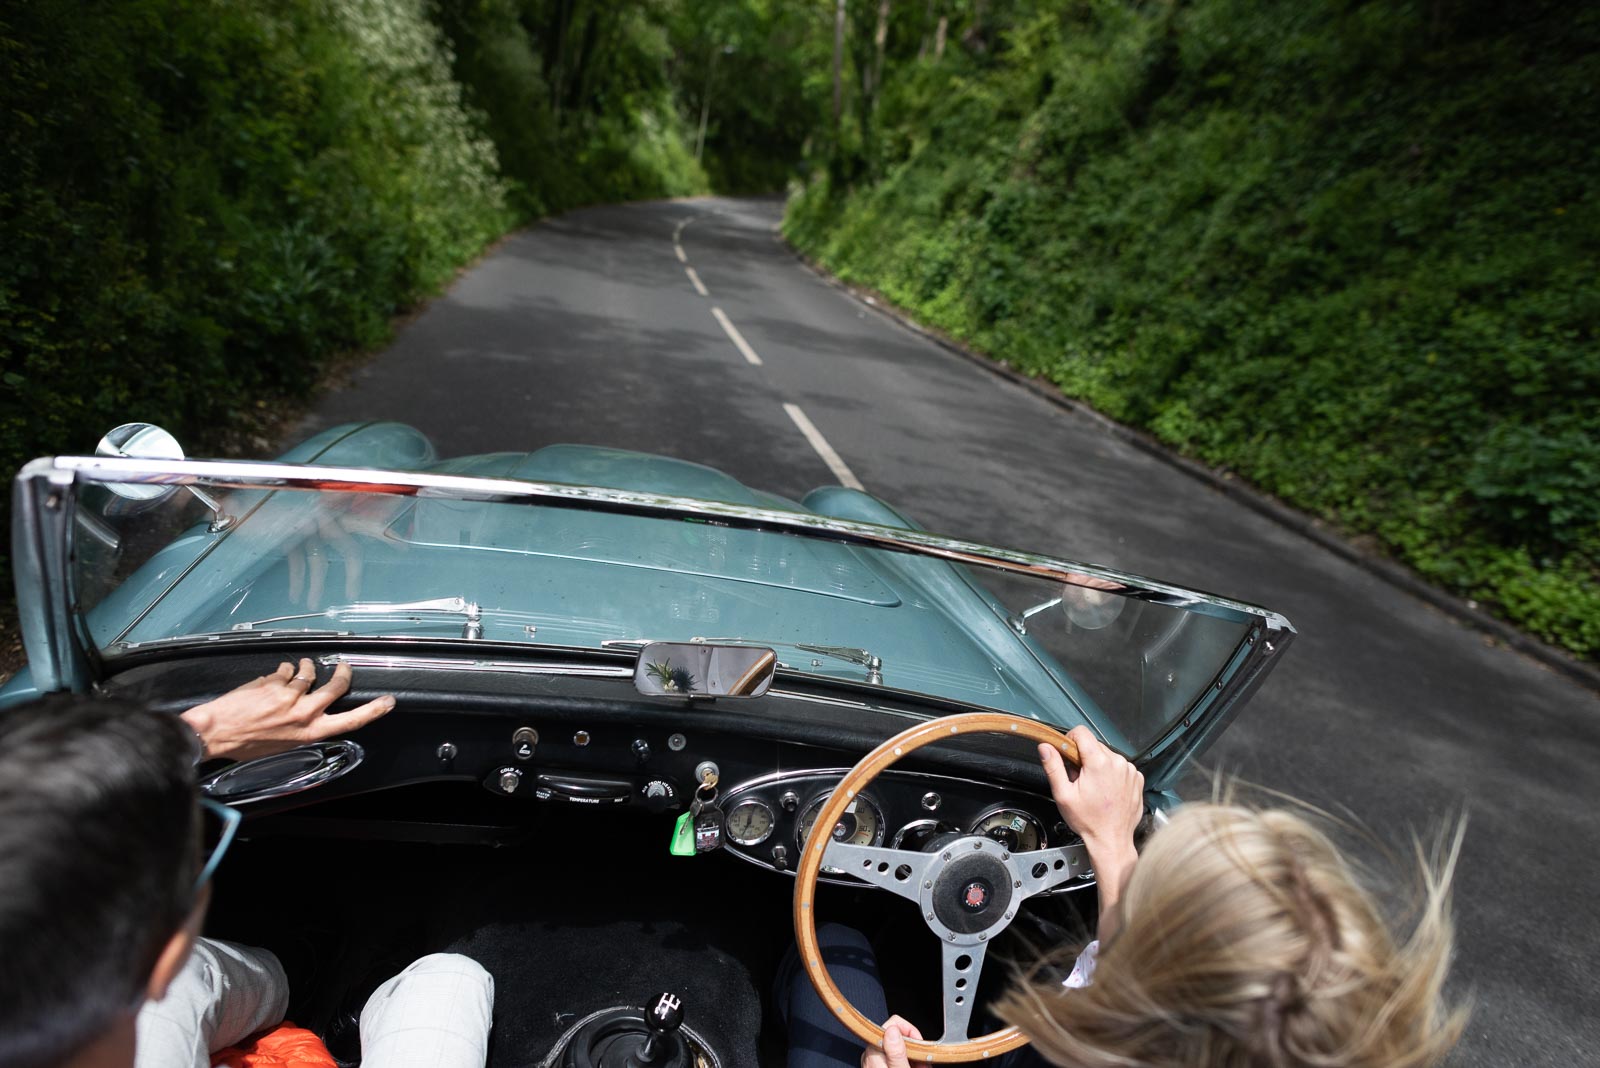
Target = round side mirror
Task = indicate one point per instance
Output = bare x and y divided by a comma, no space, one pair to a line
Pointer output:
145,441
1091,609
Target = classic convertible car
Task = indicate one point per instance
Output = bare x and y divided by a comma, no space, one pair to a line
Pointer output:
642,684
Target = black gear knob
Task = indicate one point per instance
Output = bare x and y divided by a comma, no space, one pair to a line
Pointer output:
663,1014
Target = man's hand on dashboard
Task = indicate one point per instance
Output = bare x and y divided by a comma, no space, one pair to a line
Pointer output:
278,712
893,1053
1103,800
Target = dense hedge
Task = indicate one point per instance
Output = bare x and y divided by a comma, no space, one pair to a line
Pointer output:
1347,250
203,199
577,97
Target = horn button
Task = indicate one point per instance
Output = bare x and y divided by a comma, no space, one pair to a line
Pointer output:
972,892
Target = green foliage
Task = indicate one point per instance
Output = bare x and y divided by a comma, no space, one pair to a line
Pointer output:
204,199
1348,251
577,97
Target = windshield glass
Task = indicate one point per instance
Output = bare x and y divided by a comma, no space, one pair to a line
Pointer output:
251,563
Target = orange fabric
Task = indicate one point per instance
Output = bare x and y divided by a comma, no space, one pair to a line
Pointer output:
285,1046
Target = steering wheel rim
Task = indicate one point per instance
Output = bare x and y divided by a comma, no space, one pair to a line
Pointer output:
881,869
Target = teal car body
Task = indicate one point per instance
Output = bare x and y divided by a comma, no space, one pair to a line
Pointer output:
598,549
533,615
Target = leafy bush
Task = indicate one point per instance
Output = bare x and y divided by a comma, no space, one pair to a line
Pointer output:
1347,251
204,199
577,97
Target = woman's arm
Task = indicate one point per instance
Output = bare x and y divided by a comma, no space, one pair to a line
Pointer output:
1103,800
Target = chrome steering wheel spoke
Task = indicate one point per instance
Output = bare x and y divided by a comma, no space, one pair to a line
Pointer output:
959,984
899,870
1043,869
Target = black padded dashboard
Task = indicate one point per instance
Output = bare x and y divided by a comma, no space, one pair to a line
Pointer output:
504,742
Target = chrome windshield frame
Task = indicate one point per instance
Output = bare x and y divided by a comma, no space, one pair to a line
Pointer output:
254,475
1267,631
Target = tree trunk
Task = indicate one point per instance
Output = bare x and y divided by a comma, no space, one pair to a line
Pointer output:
927,21
879,41
939,36
838,65
705,104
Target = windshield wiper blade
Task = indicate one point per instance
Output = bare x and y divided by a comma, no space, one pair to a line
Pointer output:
214,636
472,627
848,654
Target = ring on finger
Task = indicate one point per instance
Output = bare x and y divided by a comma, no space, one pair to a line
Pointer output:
301,678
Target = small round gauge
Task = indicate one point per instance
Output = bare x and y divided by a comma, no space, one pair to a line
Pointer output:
1013,828
861,823
749,823
918,836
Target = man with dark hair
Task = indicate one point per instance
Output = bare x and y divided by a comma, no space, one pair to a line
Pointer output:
98,860
104,884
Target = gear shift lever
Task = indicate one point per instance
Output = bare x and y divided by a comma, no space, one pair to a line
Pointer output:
651,1036
663,1016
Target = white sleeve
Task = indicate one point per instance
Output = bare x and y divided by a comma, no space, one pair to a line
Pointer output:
1083,968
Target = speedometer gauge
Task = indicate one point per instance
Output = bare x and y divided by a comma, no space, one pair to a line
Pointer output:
749,823
860,824
1013,828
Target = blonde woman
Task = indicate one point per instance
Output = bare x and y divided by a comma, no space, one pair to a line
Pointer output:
1239,938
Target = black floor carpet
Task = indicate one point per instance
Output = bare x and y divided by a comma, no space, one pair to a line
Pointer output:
607,920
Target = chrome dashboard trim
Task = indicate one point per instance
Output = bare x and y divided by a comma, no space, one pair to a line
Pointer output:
444,663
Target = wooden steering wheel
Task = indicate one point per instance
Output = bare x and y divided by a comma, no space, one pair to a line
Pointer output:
968,890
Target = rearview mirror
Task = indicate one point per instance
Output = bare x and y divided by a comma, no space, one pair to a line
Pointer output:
698,669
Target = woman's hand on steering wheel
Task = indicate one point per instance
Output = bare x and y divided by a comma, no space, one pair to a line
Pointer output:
896,1030
1102,798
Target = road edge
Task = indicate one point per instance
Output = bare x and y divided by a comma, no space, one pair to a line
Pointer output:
1228,483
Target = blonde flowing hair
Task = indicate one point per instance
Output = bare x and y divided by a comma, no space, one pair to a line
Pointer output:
1248,941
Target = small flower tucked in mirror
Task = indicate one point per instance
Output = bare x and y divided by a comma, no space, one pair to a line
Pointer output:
673,680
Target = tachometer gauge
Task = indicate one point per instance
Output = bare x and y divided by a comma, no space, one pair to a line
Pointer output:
749,823
861,824
1012,828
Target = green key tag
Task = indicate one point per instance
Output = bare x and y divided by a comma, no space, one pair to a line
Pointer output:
683,836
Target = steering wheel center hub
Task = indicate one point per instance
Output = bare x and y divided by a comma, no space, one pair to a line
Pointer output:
970,890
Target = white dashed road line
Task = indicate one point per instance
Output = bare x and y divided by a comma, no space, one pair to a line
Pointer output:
738,339
840,470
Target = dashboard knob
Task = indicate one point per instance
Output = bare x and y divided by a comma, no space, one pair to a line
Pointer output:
658,795
510,779
641,749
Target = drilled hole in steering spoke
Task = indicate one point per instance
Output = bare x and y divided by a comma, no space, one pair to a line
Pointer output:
961,999
1039,869
961,984
1059,864
903,872
883,866
963,962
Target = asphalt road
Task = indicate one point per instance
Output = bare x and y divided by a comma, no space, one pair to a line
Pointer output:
590,328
